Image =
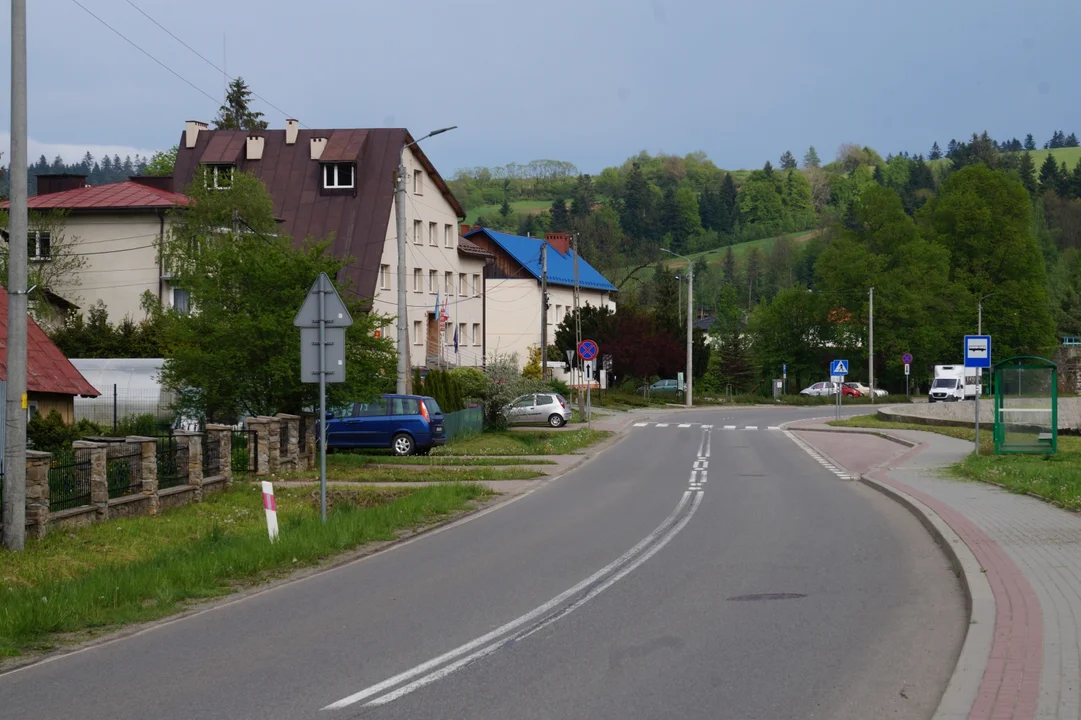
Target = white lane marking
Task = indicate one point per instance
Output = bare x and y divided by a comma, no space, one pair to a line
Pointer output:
641,424
751,427
705,464
708,427
774,427
729,427
513,624
443,672
684,424
662,424
702,443
709,442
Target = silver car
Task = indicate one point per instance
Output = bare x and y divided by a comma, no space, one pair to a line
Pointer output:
548,408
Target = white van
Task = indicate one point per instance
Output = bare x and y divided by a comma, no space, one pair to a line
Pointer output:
953,383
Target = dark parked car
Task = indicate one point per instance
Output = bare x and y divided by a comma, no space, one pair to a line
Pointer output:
662,387
406,424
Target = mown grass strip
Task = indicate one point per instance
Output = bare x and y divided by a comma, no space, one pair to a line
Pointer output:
465,473
353,461
137,569
524,442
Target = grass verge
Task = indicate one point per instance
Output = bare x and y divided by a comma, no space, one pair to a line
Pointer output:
142,568
525,442
1056,478
353,461
342,472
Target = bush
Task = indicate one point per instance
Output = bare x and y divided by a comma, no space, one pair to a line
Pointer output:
52,434
502,385
442,386
137,425
558,386
470,381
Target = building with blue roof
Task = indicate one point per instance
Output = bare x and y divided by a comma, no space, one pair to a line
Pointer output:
512,289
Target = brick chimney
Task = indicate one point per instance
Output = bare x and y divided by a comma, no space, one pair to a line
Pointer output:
158,182
559,241
49,184
465,228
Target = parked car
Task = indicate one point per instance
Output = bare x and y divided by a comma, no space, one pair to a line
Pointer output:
846,391
662,387
549,408
821,389
866,391
406,424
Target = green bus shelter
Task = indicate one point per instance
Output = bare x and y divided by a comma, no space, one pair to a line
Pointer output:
1026,406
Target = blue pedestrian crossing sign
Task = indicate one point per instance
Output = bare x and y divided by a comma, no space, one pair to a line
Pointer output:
839,367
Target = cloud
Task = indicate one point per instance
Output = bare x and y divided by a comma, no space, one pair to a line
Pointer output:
71,153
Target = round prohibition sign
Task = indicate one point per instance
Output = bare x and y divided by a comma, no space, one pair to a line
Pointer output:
587,350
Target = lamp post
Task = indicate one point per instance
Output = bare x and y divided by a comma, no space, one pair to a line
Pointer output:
687,385
679,304
979,312
399,217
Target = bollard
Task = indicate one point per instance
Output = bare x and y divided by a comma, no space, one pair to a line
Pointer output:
271,508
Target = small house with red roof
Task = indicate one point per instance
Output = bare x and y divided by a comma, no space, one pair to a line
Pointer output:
52,382
115,229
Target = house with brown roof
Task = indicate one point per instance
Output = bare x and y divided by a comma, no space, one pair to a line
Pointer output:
115,230
339,184
52,382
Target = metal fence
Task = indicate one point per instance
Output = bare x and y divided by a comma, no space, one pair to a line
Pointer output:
463,422
114,404
245,455
211,454
172,462
69,480
123,469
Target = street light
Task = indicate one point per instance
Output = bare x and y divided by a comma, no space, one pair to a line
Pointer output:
687,385
399,217
979,312
679,304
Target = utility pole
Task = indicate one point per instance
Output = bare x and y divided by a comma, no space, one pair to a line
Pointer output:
14,498
679,295
687,392
544,309
403,312
578,326
871,343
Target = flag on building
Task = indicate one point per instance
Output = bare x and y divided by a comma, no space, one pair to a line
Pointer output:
455,339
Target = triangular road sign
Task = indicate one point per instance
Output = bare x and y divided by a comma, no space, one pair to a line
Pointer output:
336,312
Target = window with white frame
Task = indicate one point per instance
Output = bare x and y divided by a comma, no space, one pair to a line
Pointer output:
219,177
476,285
418,230
461,334
418,280
181,300
39,245
339,176
418,182
476,333
463,287
448,235
418,336
448,283
433,281
384,277
433,238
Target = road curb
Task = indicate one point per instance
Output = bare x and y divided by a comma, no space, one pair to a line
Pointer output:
964,684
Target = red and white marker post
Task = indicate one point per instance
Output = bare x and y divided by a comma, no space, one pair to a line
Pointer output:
271,508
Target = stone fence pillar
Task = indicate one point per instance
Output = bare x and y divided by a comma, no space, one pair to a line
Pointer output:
37,493
148,468
259,458
193,441
223,434
290,426
99,480
307,447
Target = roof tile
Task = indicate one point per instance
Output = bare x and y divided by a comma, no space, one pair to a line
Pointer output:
121,195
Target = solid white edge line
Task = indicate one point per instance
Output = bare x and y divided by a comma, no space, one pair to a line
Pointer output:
444,672
513,624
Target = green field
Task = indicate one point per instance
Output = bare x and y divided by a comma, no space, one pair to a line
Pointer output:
1070,156
521,207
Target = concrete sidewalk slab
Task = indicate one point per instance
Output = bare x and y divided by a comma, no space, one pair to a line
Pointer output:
1030,554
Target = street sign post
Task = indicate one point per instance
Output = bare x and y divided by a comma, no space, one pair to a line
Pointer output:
322,320
839,368
907,358
588,351
978,355
784,377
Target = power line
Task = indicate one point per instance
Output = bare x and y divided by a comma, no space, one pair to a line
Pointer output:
204,58
144,52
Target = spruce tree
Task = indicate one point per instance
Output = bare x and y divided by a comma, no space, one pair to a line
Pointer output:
1030,142
811,159
936,152
1049,175
1027,170
788,161
560,219
1071,140
236,114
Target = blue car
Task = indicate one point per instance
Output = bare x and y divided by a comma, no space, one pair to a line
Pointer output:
406,424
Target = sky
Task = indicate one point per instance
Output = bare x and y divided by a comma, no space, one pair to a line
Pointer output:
587,81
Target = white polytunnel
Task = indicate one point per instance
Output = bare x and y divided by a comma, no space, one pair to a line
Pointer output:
128,386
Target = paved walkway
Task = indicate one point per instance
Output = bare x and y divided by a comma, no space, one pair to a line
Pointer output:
1030,553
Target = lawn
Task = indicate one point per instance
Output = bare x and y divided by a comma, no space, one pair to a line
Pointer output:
524,442
521,207
344,468
141,568
360,460
1056,478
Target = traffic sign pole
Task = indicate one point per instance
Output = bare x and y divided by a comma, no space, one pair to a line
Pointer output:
977,355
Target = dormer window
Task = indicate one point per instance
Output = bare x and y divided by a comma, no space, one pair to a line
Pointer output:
219,177
338,176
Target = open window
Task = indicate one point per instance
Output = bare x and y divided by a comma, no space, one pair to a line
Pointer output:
339,176
219,177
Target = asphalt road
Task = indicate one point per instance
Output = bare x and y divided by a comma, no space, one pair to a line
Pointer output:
619,590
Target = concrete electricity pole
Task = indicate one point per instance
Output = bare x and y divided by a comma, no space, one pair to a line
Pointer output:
404,376
544,309
871,343
687,381
14,498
